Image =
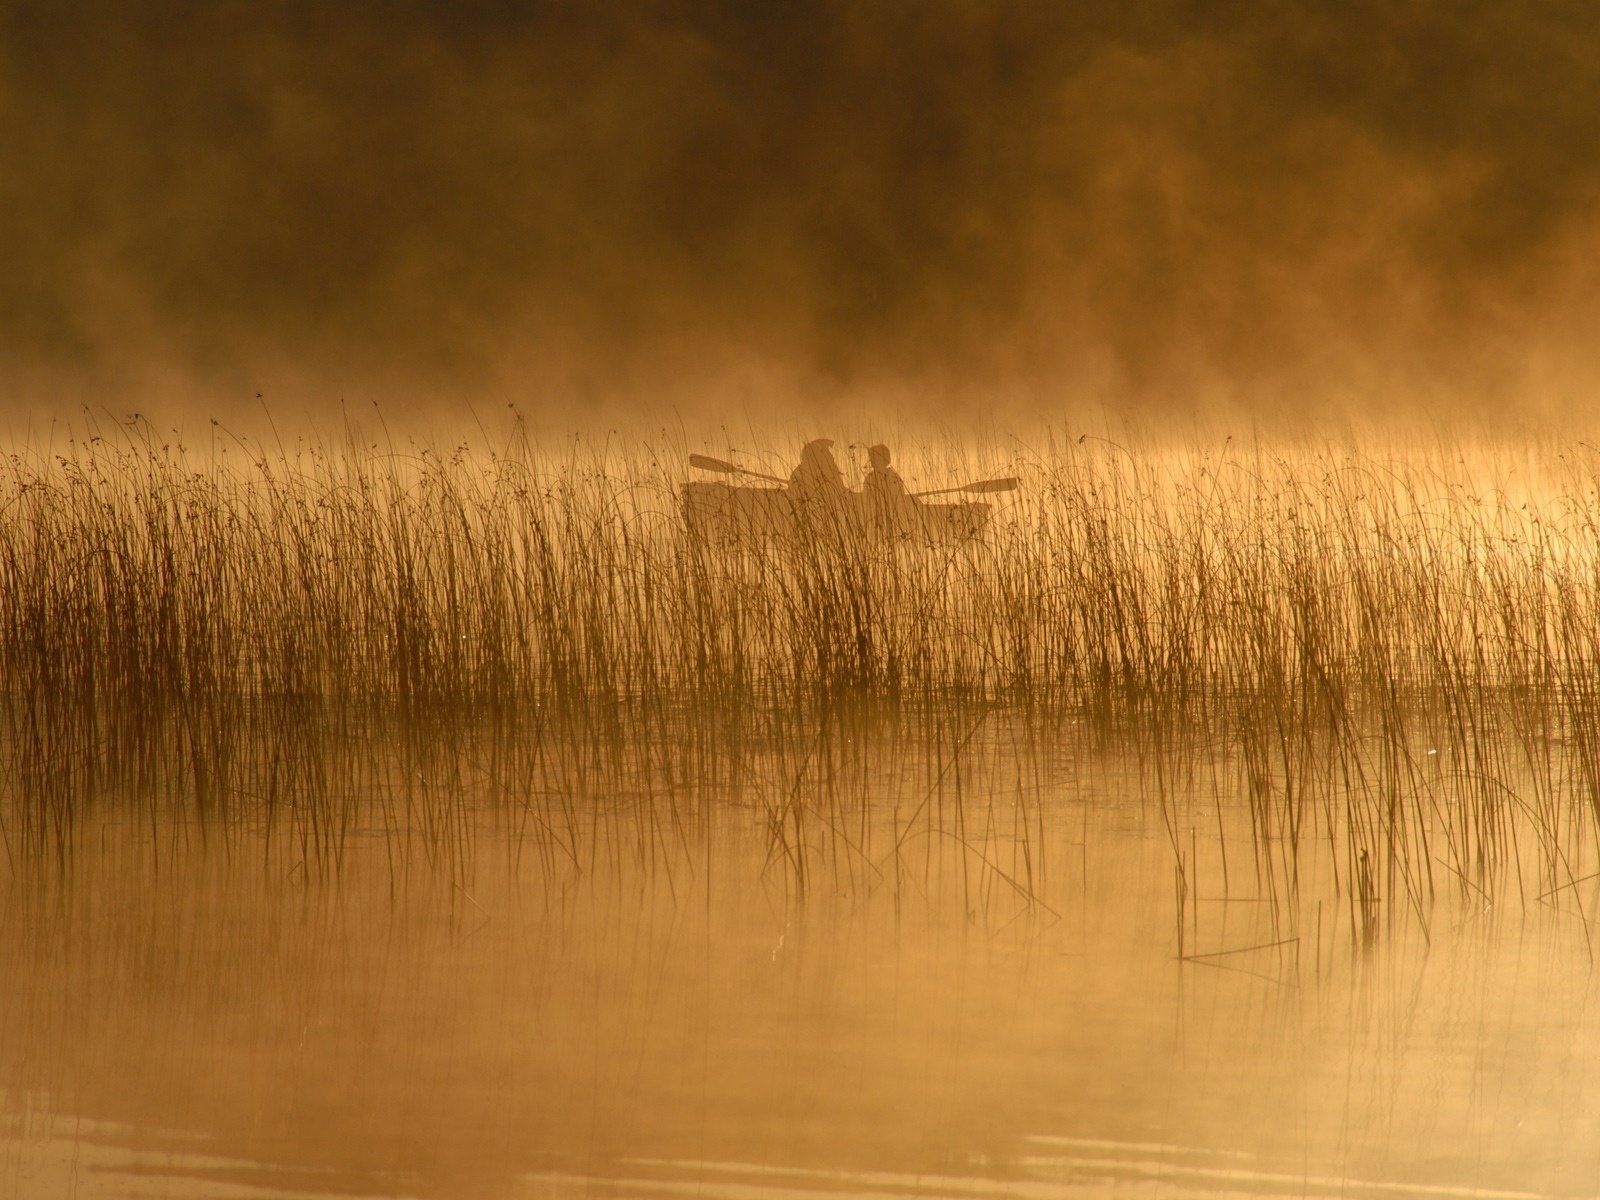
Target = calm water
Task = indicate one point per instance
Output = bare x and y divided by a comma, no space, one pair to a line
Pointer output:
974,994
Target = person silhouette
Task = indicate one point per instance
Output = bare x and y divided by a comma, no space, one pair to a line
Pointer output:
884,489
818,476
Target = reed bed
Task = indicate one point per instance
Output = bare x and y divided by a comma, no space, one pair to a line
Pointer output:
1394,650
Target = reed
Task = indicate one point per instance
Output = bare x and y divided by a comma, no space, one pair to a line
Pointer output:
1394,650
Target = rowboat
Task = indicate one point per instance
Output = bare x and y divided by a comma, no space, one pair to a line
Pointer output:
722,512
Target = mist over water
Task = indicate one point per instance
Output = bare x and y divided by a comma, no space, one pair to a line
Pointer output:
705,207
449,747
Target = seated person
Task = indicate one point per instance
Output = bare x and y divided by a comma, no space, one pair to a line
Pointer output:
883,487
818,476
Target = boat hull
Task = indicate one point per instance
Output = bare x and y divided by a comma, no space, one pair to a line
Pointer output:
747,515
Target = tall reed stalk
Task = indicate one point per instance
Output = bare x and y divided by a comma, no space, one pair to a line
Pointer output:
1396,649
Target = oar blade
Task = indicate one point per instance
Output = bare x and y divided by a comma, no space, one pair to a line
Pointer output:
1009,484
707,463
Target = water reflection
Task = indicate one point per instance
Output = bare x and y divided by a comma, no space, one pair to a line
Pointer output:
665,1010
1074,1167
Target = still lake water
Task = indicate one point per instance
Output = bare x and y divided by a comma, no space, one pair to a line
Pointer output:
972,995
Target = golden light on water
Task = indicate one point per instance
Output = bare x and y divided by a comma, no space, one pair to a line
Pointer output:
972,600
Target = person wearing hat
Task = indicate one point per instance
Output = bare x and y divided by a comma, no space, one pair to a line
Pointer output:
818,476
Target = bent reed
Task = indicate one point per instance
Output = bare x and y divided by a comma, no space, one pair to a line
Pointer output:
1393,651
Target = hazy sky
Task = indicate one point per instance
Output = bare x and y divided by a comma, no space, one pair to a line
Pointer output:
709,203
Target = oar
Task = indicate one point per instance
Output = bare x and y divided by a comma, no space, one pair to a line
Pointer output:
1009,484
727,468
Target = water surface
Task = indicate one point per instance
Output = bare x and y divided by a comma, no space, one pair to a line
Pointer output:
924,982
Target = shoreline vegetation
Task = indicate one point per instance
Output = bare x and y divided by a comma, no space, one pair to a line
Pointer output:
1387,657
